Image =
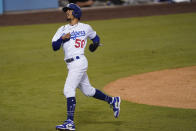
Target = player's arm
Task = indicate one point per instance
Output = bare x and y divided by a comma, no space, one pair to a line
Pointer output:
94,37
95,44
56,45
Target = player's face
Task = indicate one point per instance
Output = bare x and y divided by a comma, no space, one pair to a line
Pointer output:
69,15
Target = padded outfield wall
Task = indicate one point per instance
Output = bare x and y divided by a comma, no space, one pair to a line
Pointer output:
21,5
1,6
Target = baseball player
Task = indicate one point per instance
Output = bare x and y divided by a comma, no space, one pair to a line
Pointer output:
73,39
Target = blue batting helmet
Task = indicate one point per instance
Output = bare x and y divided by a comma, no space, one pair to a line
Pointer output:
77,13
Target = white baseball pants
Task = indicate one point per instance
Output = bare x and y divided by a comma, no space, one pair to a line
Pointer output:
78,78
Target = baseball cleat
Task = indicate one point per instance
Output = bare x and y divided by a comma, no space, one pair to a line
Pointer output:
68,125
116,106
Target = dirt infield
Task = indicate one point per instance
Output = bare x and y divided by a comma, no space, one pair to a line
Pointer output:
171,88
98,14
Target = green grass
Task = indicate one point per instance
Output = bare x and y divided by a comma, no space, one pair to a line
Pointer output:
32,75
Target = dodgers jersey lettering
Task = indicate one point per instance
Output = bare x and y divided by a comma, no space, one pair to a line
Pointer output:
78,40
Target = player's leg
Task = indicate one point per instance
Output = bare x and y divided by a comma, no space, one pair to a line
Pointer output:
113,101
88,90
76,71
72,82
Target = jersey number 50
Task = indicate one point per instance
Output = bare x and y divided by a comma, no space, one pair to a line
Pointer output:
79,43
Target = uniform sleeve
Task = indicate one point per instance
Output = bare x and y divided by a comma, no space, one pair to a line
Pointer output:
58,34
91,33
57,40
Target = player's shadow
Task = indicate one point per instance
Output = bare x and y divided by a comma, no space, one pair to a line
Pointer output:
91,117
115,124
118,123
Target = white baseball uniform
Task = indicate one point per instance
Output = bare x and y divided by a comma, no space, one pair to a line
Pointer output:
74,48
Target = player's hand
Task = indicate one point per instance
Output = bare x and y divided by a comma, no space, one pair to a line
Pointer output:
93,46
66,36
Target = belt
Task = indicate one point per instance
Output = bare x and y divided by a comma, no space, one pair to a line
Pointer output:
72,59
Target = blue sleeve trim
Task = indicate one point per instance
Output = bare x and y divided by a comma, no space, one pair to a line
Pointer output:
56,45
96,39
